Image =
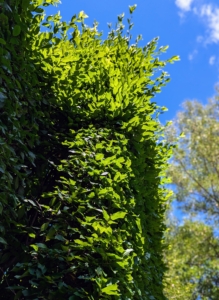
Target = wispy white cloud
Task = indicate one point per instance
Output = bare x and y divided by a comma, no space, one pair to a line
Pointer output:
184,5
199,38
192,55
210,14
212,60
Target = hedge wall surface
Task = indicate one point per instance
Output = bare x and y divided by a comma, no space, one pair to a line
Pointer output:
82,165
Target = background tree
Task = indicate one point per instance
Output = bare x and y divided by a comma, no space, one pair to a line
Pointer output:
193,261
194,169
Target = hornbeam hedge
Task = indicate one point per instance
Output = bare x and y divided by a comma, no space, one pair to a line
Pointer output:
82,164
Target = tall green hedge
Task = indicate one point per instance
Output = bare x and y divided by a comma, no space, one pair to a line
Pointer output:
82,164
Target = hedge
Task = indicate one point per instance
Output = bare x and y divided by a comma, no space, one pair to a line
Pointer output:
82,165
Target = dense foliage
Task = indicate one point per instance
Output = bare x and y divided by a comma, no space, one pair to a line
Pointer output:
82,163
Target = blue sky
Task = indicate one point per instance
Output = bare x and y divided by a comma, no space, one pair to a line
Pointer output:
189,27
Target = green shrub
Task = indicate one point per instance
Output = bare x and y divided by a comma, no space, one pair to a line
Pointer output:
82,165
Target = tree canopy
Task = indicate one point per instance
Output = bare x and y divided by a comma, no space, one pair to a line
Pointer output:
192,261
194,169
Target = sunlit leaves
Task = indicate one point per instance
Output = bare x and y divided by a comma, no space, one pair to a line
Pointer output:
35,247
111,289
132,8
118,215
82,15
173,59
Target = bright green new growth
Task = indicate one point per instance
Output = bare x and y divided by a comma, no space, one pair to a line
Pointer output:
82,195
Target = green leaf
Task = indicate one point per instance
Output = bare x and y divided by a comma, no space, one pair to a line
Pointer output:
32,235
99,156
118,215
60,238
3,241
30,201
41,245
173,58
91,195
82,15
132,8
73,19
103,192
80,242
23,275
163,48
105,215
117,176
110,289
3,42
35,247
164,108
16,30
49,18
44,226
50,234
39,10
